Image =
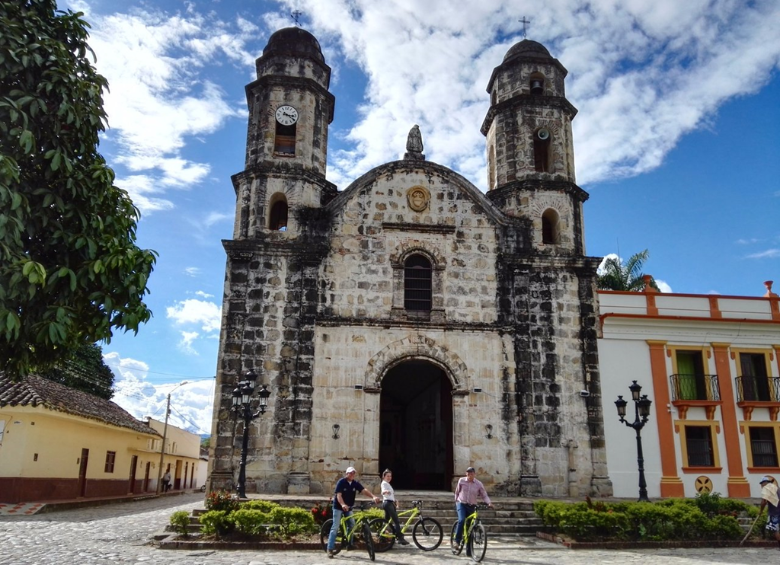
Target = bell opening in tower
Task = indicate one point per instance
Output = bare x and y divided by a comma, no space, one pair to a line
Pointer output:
542,150
284,144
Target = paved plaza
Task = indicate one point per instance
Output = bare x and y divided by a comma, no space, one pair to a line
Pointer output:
121,533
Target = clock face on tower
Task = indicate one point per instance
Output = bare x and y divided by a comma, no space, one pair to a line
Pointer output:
286,115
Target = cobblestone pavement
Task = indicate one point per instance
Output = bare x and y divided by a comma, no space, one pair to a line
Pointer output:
121,533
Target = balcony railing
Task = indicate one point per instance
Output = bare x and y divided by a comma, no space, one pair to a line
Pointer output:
758,389
695,387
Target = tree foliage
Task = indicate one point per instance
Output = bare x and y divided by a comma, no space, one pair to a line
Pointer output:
85,371
629,276
70,272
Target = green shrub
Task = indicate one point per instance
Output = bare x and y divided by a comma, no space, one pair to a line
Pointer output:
292,521
180,520
261,505
250,522
708,502
215,522
670,519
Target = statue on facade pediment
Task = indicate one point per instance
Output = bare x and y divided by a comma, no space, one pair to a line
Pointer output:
414,144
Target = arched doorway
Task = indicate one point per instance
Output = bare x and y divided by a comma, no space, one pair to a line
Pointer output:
415,426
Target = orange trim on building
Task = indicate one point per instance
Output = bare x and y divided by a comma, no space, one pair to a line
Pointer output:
671,485
738,486
652,309
714,307
777,357
774,306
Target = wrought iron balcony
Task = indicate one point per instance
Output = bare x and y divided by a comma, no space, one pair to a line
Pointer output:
695,387
758,389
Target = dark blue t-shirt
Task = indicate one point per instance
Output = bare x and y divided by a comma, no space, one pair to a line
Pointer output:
348,492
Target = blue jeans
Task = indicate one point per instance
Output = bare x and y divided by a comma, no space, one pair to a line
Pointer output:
334,530
464,511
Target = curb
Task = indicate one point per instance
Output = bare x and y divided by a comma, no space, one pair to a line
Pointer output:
172,542
651,544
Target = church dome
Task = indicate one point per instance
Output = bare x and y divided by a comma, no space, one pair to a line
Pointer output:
527,48
294,42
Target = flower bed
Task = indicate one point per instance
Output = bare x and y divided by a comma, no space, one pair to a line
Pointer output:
230,522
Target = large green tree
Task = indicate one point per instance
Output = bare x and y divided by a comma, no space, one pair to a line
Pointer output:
70,272
85,370
628,276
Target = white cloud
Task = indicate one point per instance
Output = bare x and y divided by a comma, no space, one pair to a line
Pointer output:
192,271
663,286
216,217
203,294
207,315
157,98
747,241
191,403
186,342
768,254
642,75
603,263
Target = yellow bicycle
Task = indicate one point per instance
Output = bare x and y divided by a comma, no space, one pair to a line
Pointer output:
427,533
346,536
474,536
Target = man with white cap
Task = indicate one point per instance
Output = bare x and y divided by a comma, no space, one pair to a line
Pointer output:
346,490
769,498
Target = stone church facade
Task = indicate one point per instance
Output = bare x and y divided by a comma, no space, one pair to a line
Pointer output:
411,321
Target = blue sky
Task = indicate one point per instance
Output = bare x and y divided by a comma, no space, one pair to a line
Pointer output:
677,137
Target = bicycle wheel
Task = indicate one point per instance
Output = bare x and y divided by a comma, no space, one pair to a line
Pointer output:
456,549
384,534
478,542
368,539
427,534
325,534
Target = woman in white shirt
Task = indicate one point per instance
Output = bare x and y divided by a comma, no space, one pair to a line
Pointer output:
389,504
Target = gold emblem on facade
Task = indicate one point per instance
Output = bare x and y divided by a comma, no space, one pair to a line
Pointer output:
418,198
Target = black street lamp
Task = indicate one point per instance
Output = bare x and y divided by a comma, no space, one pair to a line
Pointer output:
242,404
642,415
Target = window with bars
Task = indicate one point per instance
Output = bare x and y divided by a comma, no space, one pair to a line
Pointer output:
698,441
110,460
417,284
763,447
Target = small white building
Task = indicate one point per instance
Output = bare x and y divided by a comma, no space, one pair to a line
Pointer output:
711,366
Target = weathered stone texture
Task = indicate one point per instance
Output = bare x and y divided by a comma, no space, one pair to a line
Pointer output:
490,375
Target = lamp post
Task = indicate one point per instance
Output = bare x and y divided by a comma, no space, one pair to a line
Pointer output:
641,416
242,404
165,435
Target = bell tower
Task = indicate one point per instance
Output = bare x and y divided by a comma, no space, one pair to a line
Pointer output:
530,151
290,110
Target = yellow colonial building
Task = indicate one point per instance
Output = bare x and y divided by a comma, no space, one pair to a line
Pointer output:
57,443
182,456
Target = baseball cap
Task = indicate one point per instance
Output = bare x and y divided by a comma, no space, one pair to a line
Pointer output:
470,470
351,470
765,479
